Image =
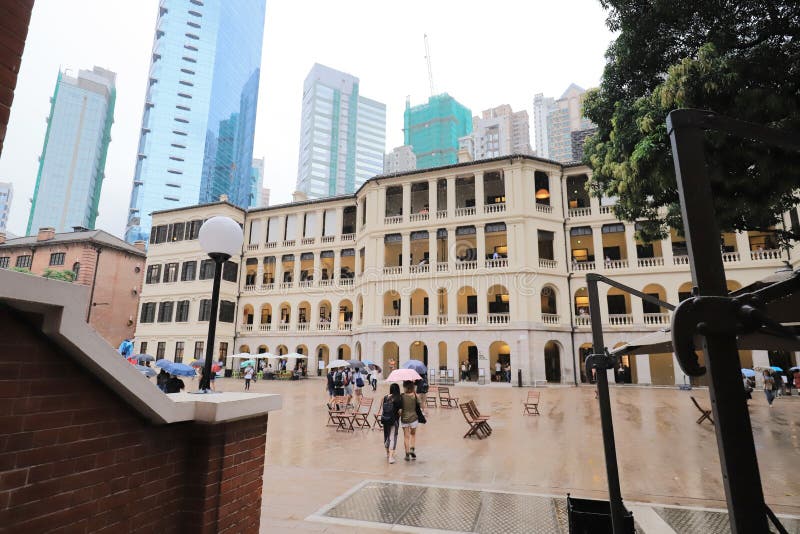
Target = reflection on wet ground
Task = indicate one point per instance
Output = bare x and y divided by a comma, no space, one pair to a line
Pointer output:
664,457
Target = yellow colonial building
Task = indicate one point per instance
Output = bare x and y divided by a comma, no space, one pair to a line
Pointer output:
479,262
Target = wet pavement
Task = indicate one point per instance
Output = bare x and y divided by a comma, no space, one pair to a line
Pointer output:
665,459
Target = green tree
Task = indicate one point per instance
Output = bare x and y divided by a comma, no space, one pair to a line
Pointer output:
65,275
736,58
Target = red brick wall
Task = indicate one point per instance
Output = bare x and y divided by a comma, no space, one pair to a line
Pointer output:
74,457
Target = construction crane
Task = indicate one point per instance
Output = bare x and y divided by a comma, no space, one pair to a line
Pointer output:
428,59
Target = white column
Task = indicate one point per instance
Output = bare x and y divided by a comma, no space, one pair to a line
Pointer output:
259,273
433,252
480,237
339,220
760,358
594,203
451,263
432,200
630,244
480,196
317,269
743,247
451,196
337,266
597,242
296,275
637,309
643,369
381,205
406,201
358,215
666,250
406,248
680,377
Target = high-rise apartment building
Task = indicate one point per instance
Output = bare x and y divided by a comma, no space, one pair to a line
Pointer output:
433,130
497,132
342,134
196,141
256,182
6,196
400,159
556,120
73,159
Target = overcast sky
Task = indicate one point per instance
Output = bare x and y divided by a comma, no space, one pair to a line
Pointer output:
484,53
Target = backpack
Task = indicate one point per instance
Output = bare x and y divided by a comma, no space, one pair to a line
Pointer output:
359,381
338,380
423,386
387,411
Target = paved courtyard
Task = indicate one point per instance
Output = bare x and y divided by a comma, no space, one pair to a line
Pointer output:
665,459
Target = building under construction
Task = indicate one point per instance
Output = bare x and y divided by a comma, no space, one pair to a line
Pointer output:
433,130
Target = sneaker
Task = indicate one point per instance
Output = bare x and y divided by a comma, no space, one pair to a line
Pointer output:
413,454
391,459
408,457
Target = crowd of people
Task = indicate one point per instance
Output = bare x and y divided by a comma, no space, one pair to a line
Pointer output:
776,384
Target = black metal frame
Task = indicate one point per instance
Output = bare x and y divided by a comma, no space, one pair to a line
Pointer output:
219,260
741,479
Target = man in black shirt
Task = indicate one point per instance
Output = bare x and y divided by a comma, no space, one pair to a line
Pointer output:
174,384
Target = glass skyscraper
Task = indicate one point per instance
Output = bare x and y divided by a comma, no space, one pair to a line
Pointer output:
71,167
433,130
199,115
342,135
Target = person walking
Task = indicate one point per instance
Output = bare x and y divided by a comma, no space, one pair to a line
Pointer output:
358,383
390,419
329,378
463,371
174,385
410,417
248,376
161,380
769,387
348,386
338,383
373,378
498,370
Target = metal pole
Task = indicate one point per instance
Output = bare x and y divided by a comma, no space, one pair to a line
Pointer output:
219,259
606,422
737,453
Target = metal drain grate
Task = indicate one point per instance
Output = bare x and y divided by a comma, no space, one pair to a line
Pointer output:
691,521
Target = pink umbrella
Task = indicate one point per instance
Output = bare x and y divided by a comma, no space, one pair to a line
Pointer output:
401,375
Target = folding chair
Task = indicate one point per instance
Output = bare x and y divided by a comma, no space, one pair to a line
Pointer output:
336,407
476,414
531,404
361,415
475,427
445,400
378,424
430,399
706,413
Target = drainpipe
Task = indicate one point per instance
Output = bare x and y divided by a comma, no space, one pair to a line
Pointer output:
94,281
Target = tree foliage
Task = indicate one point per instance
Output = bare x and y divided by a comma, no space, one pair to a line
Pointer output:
65,275
736,58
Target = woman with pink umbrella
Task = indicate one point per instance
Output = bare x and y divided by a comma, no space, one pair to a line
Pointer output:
411,412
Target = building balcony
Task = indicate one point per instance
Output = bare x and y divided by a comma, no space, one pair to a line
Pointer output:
650,262
324,326
606,210
289,242
761,255
247,328
551,318
465,212
327,239
498,318
466,265
575,213
283,327
303,327
620,319
467,318
267,287
583,320
583,266
494,208
441,214
730,257
285,285
656,318
442,267
252,246
497,263
544,208
419,269
346,326
418,217
442,319
393,219
616,264
250,288
418,320
393,271
271,244
680,260
308,240
326,282
547,264
349,237
265,327
306,283
346,282
391,320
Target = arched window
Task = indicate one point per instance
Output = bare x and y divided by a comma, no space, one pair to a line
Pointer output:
76,269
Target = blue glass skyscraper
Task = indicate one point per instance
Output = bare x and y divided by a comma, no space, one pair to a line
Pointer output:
199,117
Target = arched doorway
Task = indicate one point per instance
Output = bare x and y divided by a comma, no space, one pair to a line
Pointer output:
262,349
549,305
391,357
343,352
581,301
281,350
391,308
442,356
498,304
418,350
499,352
303,316
358,351
324,319
418,304
266,317
286,314
583,352
552,362
244,348
247,317
301,364
345,315
467,306
468,354
323,356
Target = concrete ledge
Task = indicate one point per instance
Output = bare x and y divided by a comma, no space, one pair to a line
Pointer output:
62,307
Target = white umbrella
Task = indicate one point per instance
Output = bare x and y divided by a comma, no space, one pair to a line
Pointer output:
245,355
338,363
263,356
295,355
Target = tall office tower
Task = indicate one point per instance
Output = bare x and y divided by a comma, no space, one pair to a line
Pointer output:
71,167
6,196
256,183
555,121
196,141
433,130
400,159
342,135
497,132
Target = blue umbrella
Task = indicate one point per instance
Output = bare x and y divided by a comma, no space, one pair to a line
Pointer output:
416,365
245,363
180,369
146,371
776,368
163,363
748,373
143,358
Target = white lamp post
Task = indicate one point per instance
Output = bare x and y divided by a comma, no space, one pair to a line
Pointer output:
221,238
